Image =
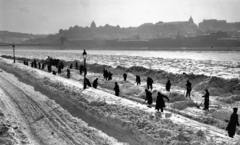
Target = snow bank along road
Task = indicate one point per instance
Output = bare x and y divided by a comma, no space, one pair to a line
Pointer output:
141,124
40,120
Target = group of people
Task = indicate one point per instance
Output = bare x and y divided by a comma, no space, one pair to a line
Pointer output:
107,75
160,102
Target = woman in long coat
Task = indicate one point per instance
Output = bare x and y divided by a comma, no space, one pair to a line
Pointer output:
148,97
160,103
231,128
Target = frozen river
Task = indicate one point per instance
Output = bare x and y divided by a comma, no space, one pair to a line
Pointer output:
211,63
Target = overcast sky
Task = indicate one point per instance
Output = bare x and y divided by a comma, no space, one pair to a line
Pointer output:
48,16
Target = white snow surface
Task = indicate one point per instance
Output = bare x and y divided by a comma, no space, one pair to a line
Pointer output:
55,126
170,123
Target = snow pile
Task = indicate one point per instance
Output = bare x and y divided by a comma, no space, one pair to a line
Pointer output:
175,96
129,89
181,105
222,114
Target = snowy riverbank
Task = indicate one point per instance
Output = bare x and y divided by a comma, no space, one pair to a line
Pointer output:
141,121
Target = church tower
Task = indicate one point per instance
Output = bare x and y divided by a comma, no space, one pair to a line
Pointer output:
191,20
93,25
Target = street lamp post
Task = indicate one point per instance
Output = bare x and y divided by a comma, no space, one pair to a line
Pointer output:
13,54
85,71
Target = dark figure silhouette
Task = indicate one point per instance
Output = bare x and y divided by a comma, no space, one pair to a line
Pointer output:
149,82
116,89
31,64
206,100
54,73
168,85
148,97
95,83
39,65
27,63
189,89
160,103
43,66
59,69
138,80
110,76
231,128
76,65
88,82
105,74
24,62
61,65
125,76
70,66
49,67
81,68
68,73
34,63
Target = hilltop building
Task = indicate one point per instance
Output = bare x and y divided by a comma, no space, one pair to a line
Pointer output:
93,25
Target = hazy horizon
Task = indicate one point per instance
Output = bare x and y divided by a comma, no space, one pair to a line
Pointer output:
48,16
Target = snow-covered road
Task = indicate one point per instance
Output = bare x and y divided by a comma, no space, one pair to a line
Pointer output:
42,121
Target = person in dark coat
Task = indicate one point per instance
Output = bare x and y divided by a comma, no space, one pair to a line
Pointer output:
70,66
59,69
61,65
95,83
233,123
32,64
49,67
39,65
168,85
189,89
68,73
125,76
105,74
116,89
81,68
148,97
88,82
206,100
76,65
43,66
27,63
160,103
138,80
110,76
149,82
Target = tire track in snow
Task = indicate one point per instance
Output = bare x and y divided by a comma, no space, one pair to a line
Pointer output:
38,113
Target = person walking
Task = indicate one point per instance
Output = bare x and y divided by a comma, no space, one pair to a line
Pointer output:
116,89
189,89
95,83
160,103
233,123
125,76
206,100
149,82
168,85
81,68
138,80
68,73
148,97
